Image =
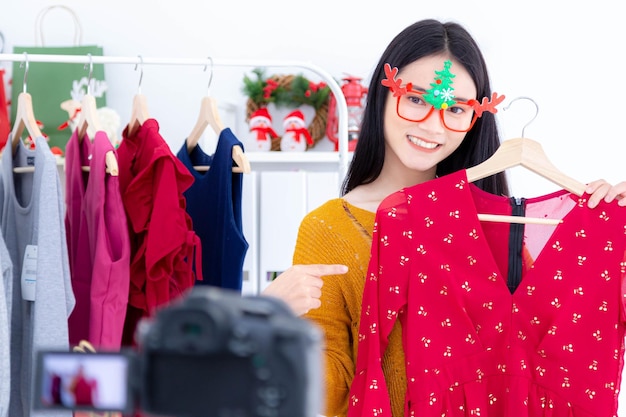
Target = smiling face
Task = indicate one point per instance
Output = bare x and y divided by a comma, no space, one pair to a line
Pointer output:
413,149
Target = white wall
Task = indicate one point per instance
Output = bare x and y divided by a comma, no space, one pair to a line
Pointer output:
568,58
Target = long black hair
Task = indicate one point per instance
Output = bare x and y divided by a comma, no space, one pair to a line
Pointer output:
425,38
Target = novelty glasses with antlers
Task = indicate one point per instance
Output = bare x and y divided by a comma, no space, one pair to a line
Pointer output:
417,106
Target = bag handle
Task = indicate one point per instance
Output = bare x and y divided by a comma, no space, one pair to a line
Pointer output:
78,29
1,45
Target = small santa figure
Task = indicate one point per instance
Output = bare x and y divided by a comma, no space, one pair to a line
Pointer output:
297,136
260,123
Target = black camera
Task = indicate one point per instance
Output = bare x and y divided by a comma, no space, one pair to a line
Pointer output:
213,353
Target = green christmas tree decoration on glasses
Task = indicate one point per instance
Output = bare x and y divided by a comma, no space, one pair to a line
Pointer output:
440,95
417,106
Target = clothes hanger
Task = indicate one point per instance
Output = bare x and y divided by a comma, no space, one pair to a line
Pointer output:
88,117
529,154
139,112
24,114
210,116
110,161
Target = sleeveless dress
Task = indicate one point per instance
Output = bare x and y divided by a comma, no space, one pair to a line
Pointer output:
214,205
98,244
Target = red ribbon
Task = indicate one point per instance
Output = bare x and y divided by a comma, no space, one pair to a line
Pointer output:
65,124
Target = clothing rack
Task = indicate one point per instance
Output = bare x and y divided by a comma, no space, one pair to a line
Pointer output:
342,107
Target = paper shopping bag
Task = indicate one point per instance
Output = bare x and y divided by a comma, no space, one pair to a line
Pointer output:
52,83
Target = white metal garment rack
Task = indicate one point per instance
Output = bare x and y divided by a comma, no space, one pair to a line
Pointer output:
342,108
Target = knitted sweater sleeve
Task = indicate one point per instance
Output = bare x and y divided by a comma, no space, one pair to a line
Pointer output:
332,234
327,236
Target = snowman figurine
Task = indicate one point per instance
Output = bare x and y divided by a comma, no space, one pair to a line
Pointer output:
296,137
260,124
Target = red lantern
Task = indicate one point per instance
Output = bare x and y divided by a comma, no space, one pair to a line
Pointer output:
355,94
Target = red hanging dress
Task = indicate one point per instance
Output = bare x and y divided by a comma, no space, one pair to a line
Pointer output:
554,347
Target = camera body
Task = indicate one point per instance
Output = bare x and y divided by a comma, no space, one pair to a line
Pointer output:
213,352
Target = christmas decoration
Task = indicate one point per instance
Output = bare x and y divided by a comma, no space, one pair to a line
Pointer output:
290,91
260,123
296,137
355,94
108,117
440,95
395,85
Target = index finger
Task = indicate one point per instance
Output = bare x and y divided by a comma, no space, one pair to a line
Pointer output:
327,269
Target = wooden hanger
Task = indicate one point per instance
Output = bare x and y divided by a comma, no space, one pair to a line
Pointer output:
110,161
88,118
24,114
139,112
210,116
24,119
529,154
243,165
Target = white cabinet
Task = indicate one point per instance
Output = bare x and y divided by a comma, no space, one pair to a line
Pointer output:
282,206
277,195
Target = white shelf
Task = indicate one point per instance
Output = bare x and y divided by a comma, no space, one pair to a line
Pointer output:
293,157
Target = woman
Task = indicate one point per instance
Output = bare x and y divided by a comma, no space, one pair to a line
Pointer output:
394,151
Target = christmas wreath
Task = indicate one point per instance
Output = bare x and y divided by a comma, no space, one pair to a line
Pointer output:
289,91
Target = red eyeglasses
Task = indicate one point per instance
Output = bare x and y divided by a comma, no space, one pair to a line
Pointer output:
458,117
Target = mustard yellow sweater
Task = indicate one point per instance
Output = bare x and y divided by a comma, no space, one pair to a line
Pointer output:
339,233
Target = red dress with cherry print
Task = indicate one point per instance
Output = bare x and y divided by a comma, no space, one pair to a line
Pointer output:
553,347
